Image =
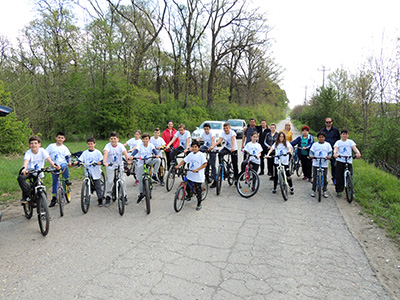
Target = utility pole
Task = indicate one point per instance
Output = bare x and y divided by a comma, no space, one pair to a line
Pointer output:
323,74
305,96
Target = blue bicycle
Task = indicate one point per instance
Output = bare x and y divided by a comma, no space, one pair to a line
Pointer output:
225,170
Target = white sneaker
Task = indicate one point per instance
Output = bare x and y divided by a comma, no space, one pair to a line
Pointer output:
312,194
325,194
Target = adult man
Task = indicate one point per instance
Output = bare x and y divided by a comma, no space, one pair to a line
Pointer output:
248,131
332,135
262,132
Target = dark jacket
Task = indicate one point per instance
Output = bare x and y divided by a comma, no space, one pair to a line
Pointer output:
298,143
261,137
332,135
270,139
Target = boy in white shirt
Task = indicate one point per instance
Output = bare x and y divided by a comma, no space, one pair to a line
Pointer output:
33,160
209,140
321,149
196,163
342,148
145,150
113,152
60,155
184,142
229,136
158,143
135,141
253,148
91,156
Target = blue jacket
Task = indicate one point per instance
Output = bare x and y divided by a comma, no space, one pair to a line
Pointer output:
297,142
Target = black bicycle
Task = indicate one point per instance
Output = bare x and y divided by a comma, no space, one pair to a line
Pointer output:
118,189
88,186
348,179
172,172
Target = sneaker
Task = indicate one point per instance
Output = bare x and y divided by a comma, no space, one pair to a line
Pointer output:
312,194
305,178
126,200
213,185
261,173
140,198
25,200
325,194
291,191
100,201
271,178
309,179
339,194
155,179
198,207
67,182
269,174
162,183
108,200
273,191
136,182
53,201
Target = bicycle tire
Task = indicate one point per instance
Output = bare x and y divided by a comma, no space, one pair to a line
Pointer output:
85,196
170,178
248,187
219,179
28,209
103,182
146,184
349,188
231,176
319,182
161,170
204,190
283,186
179,199
61,200
291,163
43,214
208,173
299,169
121,198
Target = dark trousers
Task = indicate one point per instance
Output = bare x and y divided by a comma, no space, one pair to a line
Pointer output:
252,165
234,156
270,163
289,178
340,167
211,161
314,183
195,187
24,185
174,153
262,163
306,165
333,168
97,187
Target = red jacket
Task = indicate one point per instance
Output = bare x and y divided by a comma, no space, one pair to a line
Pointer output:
167,137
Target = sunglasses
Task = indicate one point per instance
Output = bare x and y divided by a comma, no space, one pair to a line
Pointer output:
328,122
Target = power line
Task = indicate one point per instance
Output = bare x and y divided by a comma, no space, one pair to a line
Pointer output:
323,74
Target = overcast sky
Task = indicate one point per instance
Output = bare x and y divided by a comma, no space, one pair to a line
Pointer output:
307,35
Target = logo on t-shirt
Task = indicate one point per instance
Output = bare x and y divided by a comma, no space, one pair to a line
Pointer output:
254,152
320,153
344,150
115,158
56,157
36,167
281,152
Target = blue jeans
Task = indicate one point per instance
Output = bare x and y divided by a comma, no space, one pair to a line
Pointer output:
64,168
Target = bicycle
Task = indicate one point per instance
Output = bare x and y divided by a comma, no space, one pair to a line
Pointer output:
118,189
63,193
181,194
282,178
225,170
320,177
38,200
208,170
172,171
88,186
248,181
295,163
348,179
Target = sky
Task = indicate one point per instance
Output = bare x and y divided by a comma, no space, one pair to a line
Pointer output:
306,36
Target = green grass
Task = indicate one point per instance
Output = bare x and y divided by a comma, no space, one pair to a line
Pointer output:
10,166
379,194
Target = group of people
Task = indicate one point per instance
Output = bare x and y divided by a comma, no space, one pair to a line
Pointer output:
258,142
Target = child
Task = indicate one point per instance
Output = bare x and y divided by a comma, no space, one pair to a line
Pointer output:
343,147
281,146
229,136
135,141
209,139
253,148
158,143
113,152
196,164
90,156
33,160
145,150
60,154
321,149
184,142
304,143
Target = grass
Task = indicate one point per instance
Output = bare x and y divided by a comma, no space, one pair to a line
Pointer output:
379,194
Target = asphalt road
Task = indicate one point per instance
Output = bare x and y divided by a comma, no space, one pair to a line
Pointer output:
234,248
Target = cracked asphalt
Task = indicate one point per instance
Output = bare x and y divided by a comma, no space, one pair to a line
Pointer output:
234,248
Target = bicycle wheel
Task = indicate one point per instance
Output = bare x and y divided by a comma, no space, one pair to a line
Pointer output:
85,196
283,185
291,163
219,179
208,173
61,200
28,209
43,214
179,199
298,169
204,190
161,170
231,176
170,178
248,183
146,184
103,182
349,188
121,198
319,185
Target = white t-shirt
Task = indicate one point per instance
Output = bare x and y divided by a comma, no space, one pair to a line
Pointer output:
344,149
194,161
157,143
281,149
133,142
182,138
89,157
115,154
321,150
207,138
144,152
36,161
254,149
58,153
228,140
